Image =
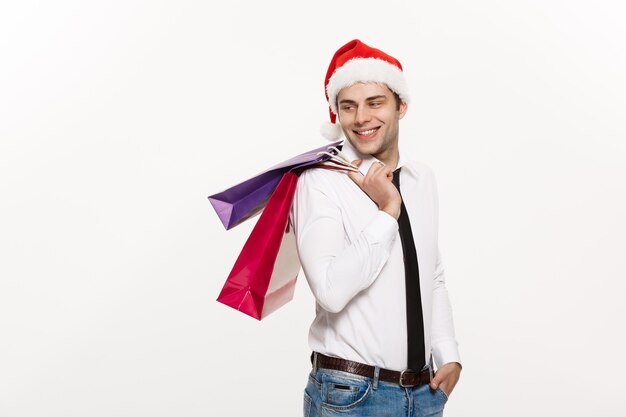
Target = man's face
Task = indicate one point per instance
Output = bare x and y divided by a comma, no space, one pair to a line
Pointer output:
369,116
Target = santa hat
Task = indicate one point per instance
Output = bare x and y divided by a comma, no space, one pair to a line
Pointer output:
357,62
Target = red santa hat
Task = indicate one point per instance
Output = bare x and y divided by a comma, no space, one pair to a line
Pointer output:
357,62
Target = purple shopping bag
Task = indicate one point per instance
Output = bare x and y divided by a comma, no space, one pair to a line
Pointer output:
246,199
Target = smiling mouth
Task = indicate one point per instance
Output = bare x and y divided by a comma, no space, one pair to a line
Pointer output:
366,133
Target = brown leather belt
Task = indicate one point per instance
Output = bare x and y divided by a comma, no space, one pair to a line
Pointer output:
406,378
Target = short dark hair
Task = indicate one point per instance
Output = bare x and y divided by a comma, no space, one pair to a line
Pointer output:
396,96
398,99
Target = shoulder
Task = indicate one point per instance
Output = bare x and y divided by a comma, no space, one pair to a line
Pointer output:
317,194
324,180
421,170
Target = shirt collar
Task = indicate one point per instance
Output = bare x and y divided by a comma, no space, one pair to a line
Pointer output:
351,154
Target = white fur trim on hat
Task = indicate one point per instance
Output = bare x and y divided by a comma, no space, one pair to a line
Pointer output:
366,70
331,131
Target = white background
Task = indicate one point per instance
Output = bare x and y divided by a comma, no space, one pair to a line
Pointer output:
118,119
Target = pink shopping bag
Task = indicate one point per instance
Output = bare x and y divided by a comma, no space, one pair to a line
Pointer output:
264,276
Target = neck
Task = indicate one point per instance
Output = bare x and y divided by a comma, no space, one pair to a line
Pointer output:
389,157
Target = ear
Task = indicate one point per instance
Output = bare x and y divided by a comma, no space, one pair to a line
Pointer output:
404,106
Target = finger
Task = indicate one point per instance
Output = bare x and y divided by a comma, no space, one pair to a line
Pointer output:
434,383
387,171
357,177
357,163
374,168
384,173
445,388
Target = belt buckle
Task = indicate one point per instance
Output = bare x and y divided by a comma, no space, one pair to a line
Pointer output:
401,382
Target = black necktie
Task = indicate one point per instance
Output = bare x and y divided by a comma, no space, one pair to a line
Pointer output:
414,315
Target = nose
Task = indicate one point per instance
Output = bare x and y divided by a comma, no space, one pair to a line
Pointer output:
362,115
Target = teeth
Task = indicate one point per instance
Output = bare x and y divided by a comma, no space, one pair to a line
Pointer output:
366,132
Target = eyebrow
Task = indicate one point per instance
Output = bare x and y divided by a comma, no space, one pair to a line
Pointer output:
376,98
348,101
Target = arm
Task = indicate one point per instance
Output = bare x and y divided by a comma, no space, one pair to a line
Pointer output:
444,344
337,270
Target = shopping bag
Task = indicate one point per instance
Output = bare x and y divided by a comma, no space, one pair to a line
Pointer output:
246,199
264,275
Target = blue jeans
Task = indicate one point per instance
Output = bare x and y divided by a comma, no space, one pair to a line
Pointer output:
336,393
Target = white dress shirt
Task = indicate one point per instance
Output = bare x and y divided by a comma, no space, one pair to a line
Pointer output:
352,258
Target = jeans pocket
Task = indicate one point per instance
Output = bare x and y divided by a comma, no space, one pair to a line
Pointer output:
341,393
443,394
307,405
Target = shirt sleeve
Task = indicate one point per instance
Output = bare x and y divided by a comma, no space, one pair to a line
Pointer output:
443,338
336,269
444,344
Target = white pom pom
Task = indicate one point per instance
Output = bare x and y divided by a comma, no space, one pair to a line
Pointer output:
331,131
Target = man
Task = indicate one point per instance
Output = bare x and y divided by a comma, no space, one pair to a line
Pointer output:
368,246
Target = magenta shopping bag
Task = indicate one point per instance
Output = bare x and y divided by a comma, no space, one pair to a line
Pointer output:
264,275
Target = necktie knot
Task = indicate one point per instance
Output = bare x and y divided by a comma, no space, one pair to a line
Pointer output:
396,178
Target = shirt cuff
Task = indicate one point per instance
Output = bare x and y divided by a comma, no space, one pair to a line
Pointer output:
382,228
446,352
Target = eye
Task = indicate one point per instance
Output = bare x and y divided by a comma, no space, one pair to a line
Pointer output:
347,107
376,104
